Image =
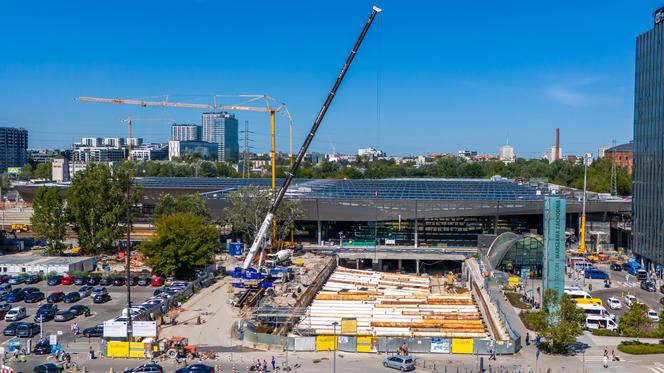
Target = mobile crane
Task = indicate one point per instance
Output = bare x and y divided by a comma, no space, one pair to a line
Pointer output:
260,236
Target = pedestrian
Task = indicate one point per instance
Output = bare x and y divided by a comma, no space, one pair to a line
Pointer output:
613,355
606,351
91,354
527,339
606,362
264,365
274,363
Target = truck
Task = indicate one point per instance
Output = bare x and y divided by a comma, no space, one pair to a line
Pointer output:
280,257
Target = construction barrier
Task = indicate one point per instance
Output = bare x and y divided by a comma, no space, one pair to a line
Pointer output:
347,344
364,344
304,344
462,345
325,343
121,349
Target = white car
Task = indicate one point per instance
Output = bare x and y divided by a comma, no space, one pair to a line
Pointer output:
630,299
652,314
614,303
16,313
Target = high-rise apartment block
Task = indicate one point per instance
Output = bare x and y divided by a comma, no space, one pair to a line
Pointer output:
13,147
222,129
186,132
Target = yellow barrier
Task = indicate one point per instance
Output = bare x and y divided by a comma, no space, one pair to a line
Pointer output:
120,349
462,345
364,344
325,343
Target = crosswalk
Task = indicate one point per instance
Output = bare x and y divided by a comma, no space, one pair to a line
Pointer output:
657,368
627,284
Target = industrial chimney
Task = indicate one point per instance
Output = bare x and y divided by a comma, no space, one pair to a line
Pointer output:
556,151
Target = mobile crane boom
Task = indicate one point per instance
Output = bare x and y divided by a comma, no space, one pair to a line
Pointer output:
303,150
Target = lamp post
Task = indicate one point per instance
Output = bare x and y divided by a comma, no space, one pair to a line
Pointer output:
334,350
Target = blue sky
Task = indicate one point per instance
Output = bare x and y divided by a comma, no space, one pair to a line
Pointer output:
431,76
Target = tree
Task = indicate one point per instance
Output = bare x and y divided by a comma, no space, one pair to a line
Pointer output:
190,203
635,321
248,207
183,243
559,321
48,219
26,172
43,171
5,184
97,204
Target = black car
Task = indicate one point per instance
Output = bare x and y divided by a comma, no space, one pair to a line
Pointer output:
35,297
29,290
648,286
105,281
158,291
95,331
43,347
32,279
196,368
46,314
27,330
80,309
64,315
47,368
10,330
55,280
616,267
81,280
146,368
72,297
144,281
119,281
133,281
16,295
48,307
93,280
101,298
56,297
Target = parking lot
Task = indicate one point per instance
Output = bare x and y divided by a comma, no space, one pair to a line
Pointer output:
99,312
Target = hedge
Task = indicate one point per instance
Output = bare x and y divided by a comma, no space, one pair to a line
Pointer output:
638,348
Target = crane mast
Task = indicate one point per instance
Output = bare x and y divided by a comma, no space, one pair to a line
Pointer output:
260,236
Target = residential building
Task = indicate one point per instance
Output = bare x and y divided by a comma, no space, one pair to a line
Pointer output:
622,155
205,150
150,152
13,147
370,152
222,129
60,169
467,153
648,146
87,154
550,154
134,141
186,132
91,141
506,153
43,155
601,151
115,142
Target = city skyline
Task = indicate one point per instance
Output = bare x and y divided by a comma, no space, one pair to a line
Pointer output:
579,77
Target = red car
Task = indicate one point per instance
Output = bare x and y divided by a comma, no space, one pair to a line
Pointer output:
157,281
67,280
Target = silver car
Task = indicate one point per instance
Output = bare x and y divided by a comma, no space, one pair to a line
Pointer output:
85,291
403,363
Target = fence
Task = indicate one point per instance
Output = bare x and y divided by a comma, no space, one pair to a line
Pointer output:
495,298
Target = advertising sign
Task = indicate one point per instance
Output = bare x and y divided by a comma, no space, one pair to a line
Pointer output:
349,326
440,345
235,248
14,170
554,244
115,329
144,329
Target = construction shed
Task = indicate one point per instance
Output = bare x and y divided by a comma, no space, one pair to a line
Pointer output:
17,264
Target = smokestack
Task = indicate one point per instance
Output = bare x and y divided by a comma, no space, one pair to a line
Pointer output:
556,151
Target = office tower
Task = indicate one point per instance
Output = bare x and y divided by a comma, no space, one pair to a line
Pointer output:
13,147
222,129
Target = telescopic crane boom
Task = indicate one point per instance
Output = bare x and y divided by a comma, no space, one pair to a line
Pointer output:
303,150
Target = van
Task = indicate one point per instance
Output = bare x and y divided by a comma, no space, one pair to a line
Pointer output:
594,310
582,265
16,313
591,301
594,273
571,260
600,322
27,330
641,274
631,267
578,294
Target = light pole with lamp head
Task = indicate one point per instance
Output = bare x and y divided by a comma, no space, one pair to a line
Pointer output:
334,349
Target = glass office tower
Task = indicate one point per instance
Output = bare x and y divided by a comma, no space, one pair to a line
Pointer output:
648,175
222,129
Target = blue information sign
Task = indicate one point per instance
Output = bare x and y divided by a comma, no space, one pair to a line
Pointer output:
554,244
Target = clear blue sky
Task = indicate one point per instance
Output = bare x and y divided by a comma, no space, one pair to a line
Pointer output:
453,75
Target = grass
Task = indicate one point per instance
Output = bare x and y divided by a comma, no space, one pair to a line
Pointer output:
605,333
638,348
526,320
517,300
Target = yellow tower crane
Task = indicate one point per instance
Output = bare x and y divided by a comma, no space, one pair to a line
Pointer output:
129,120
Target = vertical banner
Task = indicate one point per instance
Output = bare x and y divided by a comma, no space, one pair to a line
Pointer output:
554,244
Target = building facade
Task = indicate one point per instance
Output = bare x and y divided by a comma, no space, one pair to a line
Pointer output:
222,129
87,154
60,170
506,153
186,132
13,147
205,150
622,155
648,146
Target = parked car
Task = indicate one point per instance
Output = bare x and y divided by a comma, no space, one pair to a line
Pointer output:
97,291
614,303
630,299
16,313
64,315
146,368
29,290
196,368
4,307
648,286
144,281
48,368
653,316
56,297
119,281
10,330
403,363
34,297
101,298
32,279
616,267
45,314
157,281
85,291
93,280
55,280
95,331
80,280
133,281
72,297
594,273
43,347
15,280
80,309
16,295
27,330
67,280
105,281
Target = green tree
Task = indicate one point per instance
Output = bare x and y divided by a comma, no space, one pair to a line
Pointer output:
43,171
97,204
190,203
5,184
635,321
248,207
559,321
48,218
183,243
27,171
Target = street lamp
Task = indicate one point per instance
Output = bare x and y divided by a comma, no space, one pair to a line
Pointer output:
334,350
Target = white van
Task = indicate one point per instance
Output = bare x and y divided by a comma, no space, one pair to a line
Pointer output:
581,266
595,310
576,294
600,322
16,313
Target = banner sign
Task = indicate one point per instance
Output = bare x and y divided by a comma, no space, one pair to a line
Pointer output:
554,244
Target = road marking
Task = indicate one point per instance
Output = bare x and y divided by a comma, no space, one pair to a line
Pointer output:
656,370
